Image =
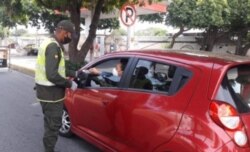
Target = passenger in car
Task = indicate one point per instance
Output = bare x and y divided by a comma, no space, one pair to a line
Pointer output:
171,72
140,81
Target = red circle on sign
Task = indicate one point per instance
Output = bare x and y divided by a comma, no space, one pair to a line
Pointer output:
128,14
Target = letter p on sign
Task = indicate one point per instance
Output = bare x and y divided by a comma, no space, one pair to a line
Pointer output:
128,14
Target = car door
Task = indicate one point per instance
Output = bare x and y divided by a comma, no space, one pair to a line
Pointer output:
93,104
145,117
93,110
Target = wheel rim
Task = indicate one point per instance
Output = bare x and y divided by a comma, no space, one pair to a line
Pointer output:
65,128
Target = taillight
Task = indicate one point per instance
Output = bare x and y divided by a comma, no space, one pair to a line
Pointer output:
226,116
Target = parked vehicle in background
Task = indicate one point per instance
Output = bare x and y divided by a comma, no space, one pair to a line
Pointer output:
16,49
31,49
197,101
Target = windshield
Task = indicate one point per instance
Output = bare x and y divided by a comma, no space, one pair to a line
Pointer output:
235,88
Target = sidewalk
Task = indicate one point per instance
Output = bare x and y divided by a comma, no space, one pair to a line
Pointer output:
24,64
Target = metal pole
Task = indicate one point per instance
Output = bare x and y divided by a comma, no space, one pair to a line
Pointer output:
8,63
128,37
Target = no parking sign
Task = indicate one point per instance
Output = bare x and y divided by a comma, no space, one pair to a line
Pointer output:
128,14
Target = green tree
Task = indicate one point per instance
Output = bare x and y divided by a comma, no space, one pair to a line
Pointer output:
12,13
210,15
41,16
119,32
153,31
222,20
20,11
238,29
3,32
111,23
153,18
73,7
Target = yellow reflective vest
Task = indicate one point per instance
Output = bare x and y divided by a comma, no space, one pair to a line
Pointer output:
40,72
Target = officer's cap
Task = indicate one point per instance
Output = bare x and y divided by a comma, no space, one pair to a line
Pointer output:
67,26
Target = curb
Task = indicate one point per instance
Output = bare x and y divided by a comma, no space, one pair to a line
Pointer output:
24,70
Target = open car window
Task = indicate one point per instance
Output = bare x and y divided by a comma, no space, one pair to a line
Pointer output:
111,72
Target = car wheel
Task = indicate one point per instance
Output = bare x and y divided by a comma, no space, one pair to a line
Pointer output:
65,129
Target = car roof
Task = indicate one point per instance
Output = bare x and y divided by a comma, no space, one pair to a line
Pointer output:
190,56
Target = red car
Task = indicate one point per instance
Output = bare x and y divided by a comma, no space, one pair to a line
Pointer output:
164,101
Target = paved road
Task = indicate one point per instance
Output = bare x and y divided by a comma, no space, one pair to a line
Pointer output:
21,122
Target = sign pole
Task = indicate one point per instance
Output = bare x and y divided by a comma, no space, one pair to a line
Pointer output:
128,17
128,37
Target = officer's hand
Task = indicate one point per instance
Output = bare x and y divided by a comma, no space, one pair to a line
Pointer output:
73,85
82,72
94,71
86,71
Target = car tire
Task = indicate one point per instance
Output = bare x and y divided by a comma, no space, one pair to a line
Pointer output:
65,129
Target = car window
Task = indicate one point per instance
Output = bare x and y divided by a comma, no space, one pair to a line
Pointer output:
155,76
235,88
110,73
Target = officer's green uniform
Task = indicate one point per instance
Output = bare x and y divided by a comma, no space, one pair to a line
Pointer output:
51,82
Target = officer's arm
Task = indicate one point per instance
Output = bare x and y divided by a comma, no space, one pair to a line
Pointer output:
52,60
71,73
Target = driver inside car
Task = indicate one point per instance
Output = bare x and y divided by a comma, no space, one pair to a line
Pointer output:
109,79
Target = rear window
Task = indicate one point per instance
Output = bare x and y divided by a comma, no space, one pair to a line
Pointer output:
235,88
158,77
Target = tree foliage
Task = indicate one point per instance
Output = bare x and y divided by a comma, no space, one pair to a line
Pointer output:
119,32
152,31
12,13
73,8
153,18
110,23
43,11
3,32
221,19
198,13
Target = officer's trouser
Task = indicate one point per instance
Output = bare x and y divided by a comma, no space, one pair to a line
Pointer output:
52,123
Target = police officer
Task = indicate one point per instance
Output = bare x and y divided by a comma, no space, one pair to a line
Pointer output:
50,78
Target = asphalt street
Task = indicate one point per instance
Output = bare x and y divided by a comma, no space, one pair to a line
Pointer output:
21,119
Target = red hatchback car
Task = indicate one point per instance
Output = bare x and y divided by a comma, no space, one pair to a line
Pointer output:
163,101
